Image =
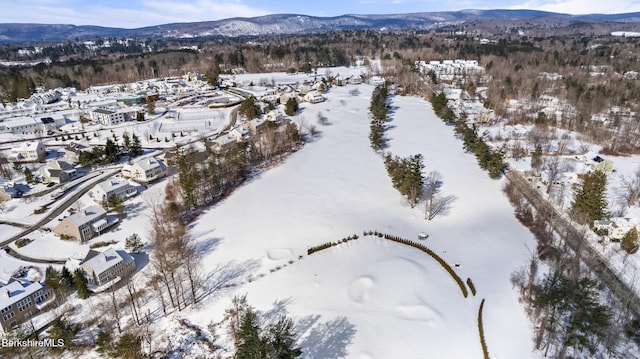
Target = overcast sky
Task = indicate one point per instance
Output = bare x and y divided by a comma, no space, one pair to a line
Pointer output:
139,13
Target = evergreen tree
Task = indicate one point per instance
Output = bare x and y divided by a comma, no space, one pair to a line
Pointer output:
251,345
111,151
630,241
128,347
80,282
104,343
62,333
291,107
66,278
133,243
213,75
136,148
126,142
281,343
249,109
151,106
536,158
28,175
590,201
52,279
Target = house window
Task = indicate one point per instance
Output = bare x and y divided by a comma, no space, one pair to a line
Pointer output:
24,304
4,310
8,316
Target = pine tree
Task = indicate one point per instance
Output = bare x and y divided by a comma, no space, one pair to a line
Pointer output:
80,282
281,340
251,346
133,243
66,278
111,151
136,148
536,158
291,107
590,201
630,241
62,331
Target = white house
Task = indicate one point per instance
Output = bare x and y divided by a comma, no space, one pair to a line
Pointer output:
57,171
313,97
223,142
145,170
30,151
102,270
376,81
118,187
240,133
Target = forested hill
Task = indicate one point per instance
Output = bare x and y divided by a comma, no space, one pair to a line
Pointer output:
297,24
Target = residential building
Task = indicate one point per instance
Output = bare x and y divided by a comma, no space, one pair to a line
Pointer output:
145,170
30,151
111,118
119,187
223,143
257,125
240,133
73,150
21,301
85,224
107,268
57,171
313,97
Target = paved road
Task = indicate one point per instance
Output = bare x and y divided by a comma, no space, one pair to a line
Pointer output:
62,206
575,239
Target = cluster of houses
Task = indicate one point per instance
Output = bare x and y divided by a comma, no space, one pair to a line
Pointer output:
448,70
22,299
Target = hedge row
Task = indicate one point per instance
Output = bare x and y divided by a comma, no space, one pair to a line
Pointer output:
485,351
404,241
326,245
471,286
433,255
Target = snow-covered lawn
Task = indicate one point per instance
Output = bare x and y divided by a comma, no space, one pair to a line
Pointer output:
370,298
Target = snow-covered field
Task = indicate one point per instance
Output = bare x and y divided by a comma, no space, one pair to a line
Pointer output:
371,298
366,299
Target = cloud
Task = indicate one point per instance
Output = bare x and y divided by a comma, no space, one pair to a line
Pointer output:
580,7
127,14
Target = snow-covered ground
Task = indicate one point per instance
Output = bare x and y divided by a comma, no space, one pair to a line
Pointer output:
370,298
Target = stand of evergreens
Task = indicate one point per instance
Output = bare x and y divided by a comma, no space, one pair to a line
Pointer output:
378,109
590,202
407,176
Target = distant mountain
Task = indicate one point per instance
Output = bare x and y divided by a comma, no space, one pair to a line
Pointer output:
292,24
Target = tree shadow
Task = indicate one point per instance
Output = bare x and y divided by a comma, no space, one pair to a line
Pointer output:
326,340
225,276
278,311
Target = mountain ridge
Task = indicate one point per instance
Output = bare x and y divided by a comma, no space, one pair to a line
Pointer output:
280,24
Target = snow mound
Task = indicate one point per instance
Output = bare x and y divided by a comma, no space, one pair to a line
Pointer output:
279,253
360,289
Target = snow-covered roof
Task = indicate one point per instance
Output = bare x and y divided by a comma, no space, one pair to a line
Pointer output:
149,163
107,259
87,215
112,184
15,291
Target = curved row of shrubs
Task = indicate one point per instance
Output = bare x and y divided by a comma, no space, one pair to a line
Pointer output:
485,351
326,245
404,241
433,255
